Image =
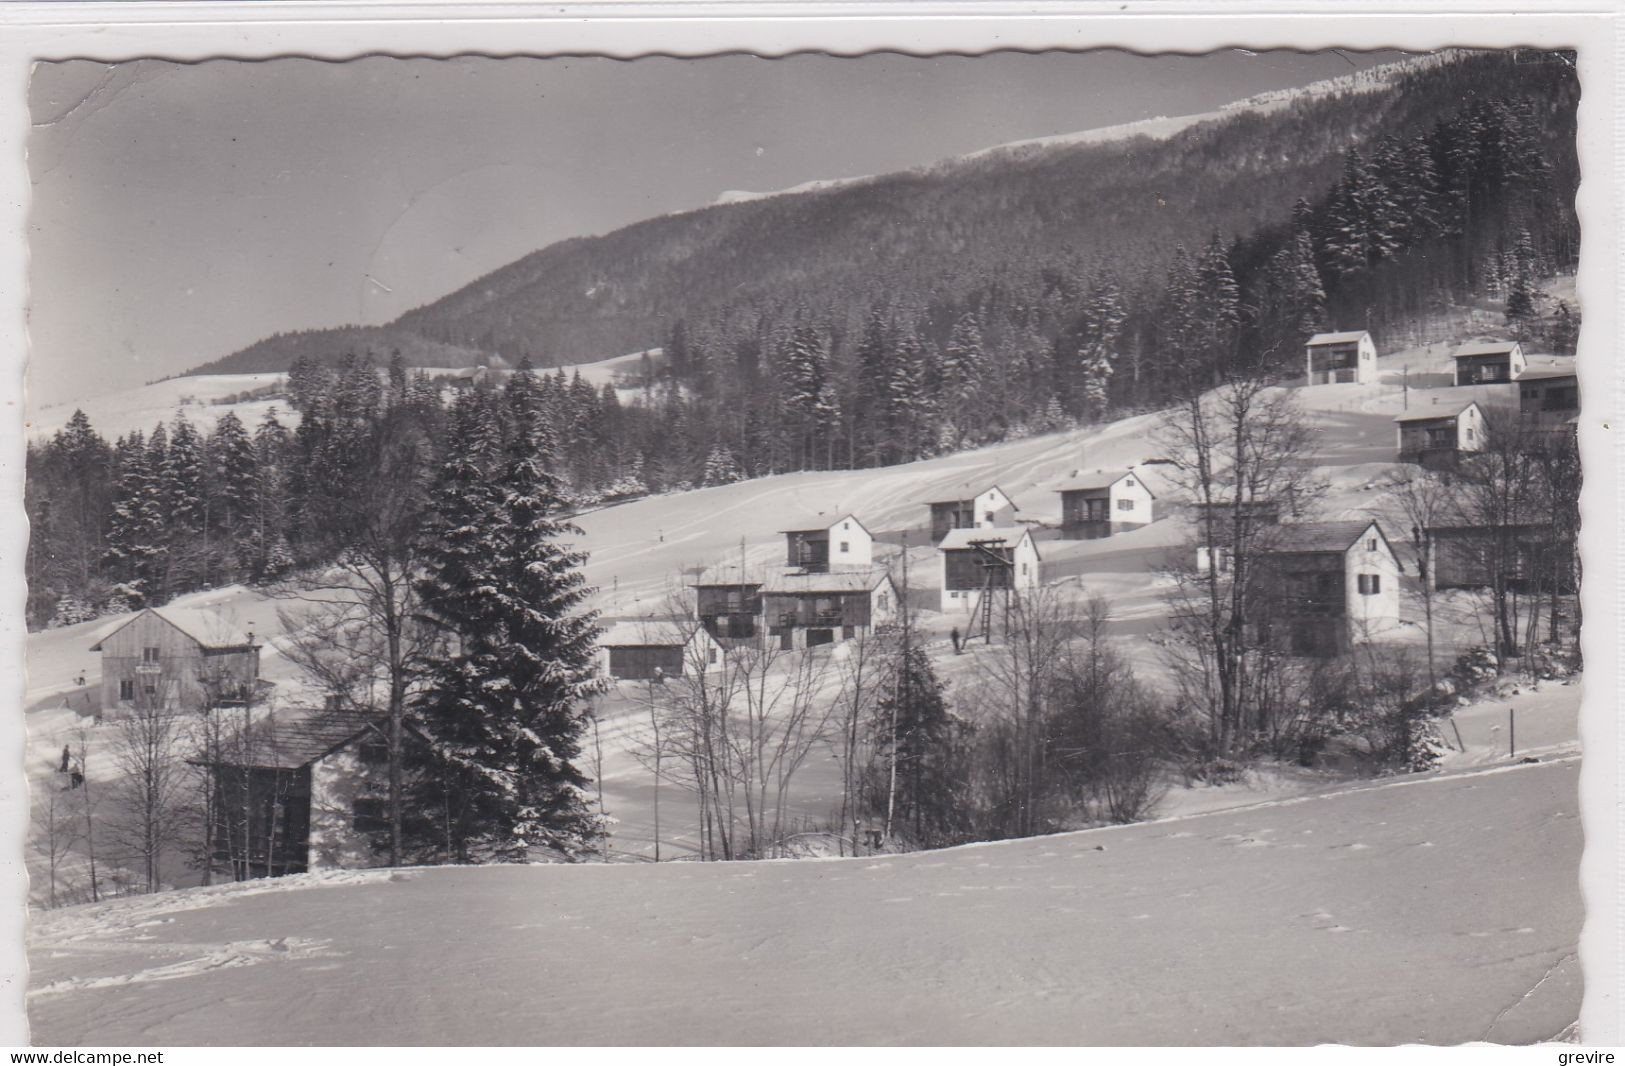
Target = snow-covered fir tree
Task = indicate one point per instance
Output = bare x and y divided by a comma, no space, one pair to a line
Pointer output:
505,713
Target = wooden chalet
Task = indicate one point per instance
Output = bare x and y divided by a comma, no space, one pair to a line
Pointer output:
988,509
1434,437
967,570
1488,362
181,657
1549,399
301,793
804,610
1324,587
728,601
816,544
1103,504
1341,358
650,650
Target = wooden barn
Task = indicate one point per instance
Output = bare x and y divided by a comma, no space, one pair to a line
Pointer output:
728,601
1103,504
1341,358
965,575
989,509
1488,362
1326,586
1549,399
817,545
1529,555
181,657
301,793
1438,437
804,610
646,650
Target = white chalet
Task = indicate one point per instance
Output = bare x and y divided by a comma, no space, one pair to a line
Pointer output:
988,509
1488,362
1327,586
648,649
1104,503
1341,358
817,545
964,575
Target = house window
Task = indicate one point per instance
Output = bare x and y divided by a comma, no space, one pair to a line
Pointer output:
1470,434
989,517
884,602
1371,544
711,655
1370,584
374,753
846,546
846,525
953,595
1023,569
149,655
1129,482
370,814
126,690
1125,505
150,690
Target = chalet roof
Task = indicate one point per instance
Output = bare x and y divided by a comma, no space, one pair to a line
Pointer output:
1100,479
730,575
645,633
1346,337
1004,537
795,582
819,522
971,496
1549,373
208,628
287,742
1300,537
1439,414
1485,348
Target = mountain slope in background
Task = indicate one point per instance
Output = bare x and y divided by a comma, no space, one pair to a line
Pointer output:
1121,198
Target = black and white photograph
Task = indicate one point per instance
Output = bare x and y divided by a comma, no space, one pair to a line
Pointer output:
1066,546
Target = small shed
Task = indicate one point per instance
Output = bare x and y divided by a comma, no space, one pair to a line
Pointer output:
1437,437
964,571
1103,504
650,649
816,544
1349,357
1488,362
987,509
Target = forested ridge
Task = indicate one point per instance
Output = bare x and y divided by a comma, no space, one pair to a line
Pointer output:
1012,293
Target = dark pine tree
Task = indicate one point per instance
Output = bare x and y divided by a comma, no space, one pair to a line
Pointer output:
505,714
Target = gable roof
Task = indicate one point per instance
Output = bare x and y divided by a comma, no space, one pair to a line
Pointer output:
1548,373
290,742
1305,537
1485,348
1005,536
646,633
729,575
1440,414
819,523
207,628
991,487
1337,338
1101,479
795,582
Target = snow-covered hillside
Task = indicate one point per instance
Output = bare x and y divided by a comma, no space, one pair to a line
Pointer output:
1438,910
1160,127
203,399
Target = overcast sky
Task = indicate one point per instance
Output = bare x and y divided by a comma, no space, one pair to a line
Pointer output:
182,211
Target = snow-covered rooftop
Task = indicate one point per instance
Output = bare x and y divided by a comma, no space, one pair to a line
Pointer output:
1436,415
1319,536
1547,373
1004,537
208,628
1485,348
798,583
1346,337
644,633
1100,479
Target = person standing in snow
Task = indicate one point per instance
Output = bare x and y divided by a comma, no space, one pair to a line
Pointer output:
67,756
953,635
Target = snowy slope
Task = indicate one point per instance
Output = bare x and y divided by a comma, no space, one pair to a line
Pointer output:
1435,910
116,414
